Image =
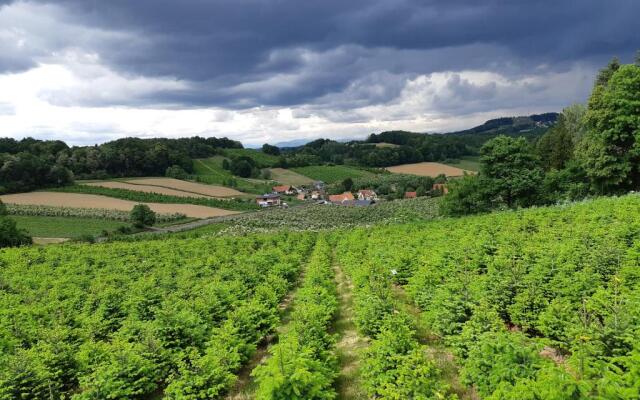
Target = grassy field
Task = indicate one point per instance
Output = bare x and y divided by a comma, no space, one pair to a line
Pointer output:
332,174
288,177
65,227
262,159
210,171
470,163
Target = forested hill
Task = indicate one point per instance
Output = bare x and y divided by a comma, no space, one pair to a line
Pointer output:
401,147
536,123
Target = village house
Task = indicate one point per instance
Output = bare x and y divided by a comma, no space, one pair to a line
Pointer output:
341,198
367,194
285,189
316,195
410,195
268,200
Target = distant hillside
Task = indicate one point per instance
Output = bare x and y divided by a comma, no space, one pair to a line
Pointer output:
514,124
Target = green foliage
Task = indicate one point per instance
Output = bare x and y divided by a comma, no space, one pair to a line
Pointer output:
271,150
176,171
499,358
303,364
610,151
395,365
332,174
124,320
3,209
142,216
10,235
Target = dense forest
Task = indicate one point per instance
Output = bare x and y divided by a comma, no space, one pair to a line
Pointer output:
30,164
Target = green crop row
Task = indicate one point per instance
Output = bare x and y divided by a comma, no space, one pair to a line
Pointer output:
303,364
394,365
533,304
134,320
96,213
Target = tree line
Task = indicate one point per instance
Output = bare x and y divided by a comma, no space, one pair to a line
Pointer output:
594,149
30,164
402,147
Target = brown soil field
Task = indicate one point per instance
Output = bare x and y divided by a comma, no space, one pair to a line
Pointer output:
428,169
288,177
146,189
94,201
190,187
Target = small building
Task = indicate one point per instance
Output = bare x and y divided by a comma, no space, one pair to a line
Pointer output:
441,187
367,194
285,189
316,195
341,198
410,195
268,200
301,196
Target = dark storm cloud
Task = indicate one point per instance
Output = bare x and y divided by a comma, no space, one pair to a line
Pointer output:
242,53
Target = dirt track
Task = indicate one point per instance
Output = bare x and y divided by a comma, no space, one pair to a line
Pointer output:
94,201
427,169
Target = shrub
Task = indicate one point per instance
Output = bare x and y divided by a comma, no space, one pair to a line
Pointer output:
10,235
142,215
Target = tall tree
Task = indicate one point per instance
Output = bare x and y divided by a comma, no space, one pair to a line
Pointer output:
509,169
610,153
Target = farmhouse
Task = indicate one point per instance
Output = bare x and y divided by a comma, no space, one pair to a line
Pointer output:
410,195
341,198
367,194
268,200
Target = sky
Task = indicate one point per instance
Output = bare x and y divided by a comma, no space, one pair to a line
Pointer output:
275,71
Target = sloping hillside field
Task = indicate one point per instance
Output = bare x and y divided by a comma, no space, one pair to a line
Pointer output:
535,304
78,200
431,169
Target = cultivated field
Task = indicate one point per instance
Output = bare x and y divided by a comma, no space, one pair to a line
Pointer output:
190,187
332,173
427,169
145,188
94,201
289,177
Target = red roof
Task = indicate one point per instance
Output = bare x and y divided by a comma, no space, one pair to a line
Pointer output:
410,195
281,189
366,192
339,198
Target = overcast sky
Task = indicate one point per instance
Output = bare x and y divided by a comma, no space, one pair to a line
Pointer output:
88,71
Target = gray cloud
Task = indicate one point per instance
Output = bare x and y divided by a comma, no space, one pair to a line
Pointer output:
337,60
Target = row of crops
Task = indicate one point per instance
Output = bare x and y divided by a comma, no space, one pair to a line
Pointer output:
303,363
535,304
178,317
395,365
96,213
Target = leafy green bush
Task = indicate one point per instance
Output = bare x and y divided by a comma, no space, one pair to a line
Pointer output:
10,235
142,216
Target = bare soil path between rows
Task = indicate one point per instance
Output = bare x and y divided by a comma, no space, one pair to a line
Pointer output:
350,343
